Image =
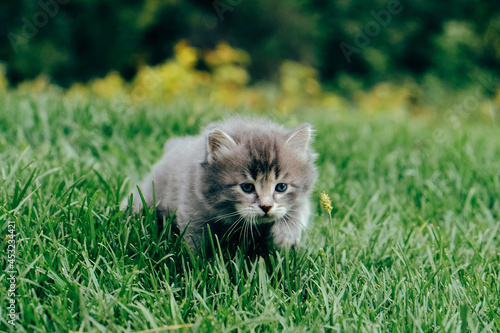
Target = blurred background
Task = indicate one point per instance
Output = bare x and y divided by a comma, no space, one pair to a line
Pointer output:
418,57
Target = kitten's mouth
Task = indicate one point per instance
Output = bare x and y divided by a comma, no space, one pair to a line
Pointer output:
266,218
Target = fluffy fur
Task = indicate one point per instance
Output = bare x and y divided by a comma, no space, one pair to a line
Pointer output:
247,179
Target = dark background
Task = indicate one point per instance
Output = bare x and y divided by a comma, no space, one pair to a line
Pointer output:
77,40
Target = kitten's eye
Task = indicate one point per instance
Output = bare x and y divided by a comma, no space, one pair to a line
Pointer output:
281,187
247,187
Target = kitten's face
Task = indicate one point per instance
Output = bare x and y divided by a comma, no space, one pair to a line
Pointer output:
263,199
262,177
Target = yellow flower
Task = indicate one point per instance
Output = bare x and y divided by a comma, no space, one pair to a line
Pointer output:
231,74
224,54
185,54
298,79
4,83
497,98
325,201
109,86
40,84
77,90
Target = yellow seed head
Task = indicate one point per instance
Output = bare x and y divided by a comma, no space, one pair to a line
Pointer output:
325,201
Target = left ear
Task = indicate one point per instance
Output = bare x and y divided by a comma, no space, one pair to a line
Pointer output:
218,142
300,136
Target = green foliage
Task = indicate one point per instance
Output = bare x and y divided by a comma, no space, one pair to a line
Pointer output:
81,39
413,243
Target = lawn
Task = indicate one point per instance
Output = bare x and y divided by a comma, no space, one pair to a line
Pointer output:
412,244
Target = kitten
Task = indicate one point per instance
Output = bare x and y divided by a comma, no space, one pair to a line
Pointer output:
243,177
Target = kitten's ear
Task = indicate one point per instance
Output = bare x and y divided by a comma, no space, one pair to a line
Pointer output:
300,136
218,142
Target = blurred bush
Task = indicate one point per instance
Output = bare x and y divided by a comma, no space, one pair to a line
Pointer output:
78,40
224,84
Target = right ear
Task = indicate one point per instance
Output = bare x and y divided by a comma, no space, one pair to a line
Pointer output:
300,137
217,143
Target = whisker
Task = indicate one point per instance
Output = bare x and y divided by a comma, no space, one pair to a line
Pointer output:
247,231
296,221
243,229
288,227
232,228
252,226
220,217
258,232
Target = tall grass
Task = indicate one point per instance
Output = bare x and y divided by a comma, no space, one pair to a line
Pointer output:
413,243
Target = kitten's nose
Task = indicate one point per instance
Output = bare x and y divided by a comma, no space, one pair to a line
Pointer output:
266,209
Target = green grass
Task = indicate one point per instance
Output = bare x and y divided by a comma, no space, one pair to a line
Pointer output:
413,244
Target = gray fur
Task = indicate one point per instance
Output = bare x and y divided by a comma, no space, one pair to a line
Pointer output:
200,177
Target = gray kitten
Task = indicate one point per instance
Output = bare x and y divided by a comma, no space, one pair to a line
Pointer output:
243,177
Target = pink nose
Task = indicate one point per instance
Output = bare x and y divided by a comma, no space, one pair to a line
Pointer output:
266,209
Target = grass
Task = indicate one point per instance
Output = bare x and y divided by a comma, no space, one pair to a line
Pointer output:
413,244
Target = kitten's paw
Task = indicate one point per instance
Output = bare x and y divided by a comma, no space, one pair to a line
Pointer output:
136,202
284,237
124,204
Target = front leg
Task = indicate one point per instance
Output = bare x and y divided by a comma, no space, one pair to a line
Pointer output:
288,231
147,191
286,235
